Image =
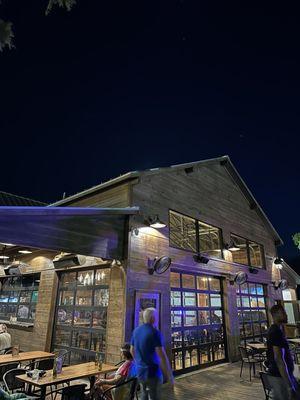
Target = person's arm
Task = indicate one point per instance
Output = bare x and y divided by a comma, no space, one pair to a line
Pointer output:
282,367
110,381
164,364
132,350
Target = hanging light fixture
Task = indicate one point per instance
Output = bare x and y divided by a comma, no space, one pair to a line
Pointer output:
156,222
278,261
231,246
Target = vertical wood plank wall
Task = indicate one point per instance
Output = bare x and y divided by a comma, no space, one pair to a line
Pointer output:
39,337
210,195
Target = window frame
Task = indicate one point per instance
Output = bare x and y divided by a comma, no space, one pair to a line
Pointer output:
197,244
263,266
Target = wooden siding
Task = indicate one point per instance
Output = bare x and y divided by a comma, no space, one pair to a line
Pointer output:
115,197
39,337
210,195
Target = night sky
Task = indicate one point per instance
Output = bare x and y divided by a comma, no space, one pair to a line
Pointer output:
117,86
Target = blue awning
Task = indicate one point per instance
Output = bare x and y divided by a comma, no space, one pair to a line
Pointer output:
98,232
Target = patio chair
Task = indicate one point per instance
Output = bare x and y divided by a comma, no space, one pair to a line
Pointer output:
46,364
12,384
247,358
125,390
266,384
73,392
6,367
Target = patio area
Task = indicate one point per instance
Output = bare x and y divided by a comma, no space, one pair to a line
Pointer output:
219,382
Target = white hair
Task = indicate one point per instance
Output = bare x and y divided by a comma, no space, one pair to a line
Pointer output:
148,314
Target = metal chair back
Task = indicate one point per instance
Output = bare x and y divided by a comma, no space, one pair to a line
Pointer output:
10,381
244,353
45,364
125,390
75,392
7,367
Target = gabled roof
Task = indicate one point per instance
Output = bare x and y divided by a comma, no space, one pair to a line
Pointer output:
8,199
224,161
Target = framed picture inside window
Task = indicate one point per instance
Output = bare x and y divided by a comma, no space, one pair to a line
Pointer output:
143,300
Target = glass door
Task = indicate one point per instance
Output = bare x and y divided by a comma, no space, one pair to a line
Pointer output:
81,313
197,321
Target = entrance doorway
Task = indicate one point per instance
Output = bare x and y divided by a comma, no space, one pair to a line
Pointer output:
197,321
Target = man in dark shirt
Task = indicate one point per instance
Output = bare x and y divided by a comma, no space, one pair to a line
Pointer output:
279,359
150,357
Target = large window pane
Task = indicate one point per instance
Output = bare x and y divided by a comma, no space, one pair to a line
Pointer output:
182,231
176,318
101,297
196,323
215,300
204,317
189,299
175,299
252,312
256,254
190,338
102,276
210,240
175,280
190,318
82,318
188,281
203,300
202,283
240,256
84,297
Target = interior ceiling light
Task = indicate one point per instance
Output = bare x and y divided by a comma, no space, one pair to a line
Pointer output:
232,246
156,222
24,251
4,257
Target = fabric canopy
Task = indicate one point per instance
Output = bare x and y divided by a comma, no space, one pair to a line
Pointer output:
98,232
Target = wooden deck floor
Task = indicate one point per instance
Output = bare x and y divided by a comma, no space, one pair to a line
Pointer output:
219,383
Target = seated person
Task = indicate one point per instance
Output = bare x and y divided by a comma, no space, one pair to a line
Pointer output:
7,396
5,338
123,372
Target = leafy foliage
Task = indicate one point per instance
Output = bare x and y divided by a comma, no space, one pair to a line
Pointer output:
296,239
6,32
68,4
6,35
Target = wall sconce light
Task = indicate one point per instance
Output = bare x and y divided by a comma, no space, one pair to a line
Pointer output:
155,222
278,262
231,246
198,258
283,284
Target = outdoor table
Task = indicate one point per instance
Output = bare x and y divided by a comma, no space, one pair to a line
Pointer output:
260,347
25,356
70,373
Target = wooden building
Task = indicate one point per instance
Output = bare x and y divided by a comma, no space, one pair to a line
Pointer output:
214,229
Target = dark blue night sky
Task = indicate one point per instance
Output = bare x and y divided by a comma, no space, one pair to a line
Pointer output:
117,86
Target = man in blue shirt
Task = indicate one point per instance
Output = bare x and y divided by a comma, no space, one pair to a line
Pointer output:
150,357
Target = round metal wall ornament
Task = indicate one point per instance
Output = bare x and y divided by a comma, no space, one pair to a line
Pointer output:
159,265
241,278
